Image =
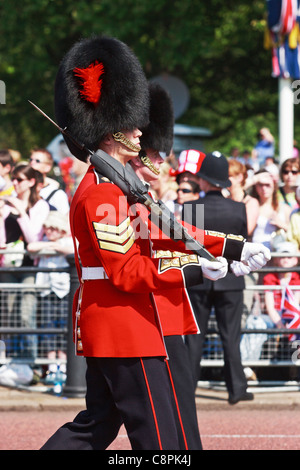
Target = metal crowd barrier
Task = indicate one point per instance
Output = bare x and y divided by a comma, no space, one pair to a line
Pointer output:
13,335
275,350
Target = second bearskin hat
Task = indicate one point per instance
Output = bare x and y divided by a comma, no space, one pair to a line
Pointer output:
100,88
159,133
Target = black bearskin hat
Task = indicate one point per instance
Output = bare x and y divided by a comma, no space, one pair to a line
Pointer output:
159,134
100,88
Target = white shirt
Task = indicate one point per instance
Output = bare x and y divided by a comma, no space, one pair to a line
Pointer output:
59,283
59,200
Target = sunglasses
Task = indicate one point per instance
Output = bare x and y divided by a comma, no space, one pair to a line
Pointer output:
19,180
184,190
266,185
50,227
286,172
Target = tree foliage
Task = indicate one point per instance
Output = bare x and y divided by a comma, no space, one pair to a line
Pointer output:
215,47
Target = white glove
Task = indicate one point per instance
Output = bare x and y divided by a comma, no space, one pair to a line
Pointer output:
239,268
214,270
256,255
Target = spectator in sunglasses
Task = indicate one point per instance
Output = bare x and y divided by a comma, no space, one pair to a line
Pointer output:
289,173
238,176
293,233
49,188
188,190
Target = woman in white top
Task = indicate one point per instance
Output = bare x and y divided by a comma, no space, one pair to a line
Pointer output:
21,219
271,217
238,175
42,161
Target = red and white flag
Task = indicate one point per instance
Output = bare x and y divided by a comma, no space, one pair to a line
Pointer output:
290,311
283,37
282,15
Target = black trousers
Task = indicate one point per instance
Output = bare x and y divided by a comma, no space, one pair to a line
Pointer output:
133,391
228,307
184,390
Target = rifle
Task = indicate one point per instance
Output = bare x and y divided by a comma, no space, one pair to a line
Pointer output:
137,192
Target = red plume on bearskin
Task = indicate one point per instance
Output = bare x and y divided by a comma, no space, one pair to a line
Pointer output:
91,85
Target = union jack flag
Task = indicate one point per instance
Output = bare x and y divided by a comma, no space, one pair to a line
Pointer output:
290,311
282,36
282,15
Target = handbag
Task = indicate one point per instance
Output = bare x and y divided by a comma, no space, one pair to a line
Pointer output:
15,255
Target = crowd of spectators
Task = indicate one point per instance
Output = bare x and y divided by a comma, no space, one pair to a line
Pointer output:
267,187
34,231
270,191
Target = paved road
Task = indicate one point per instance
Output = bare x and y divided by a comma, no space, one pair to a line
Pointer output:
271,422
227,429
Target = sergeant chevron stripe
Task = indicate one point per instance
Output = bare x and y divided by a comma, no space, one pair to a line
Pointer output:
118,238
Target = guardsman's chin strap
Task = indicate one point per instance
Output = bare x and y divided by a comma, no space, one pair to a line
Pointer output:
120,137
147,162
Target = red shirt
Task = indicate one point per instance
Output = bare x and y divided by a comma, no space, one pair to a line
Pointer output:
272,279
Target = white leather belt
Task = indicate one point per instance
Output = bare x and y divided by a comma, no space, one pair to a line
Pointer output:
90,274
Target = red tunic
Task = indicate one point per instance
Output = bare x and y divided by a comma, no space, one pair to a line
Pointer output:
116,316
173,305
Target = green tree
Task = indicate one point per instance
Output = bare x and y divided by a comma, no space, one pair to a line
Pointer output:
216,47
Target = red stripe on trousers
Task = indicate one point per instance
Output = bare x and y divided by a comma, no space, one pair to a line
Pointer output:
152,404
177,406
